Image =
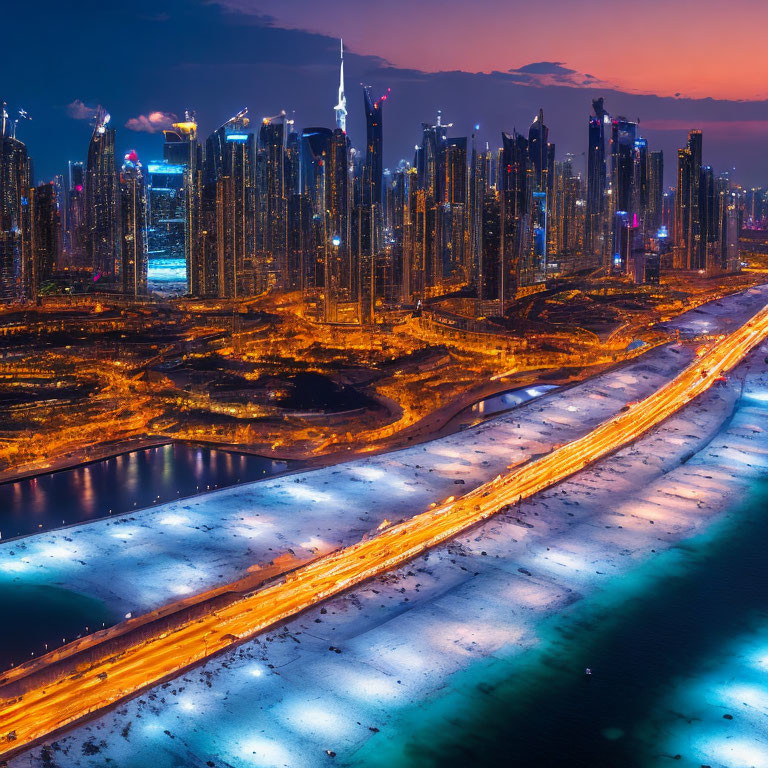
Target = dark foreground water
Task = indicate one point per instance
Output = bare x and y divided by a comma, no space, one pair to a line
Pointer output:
42,617
123,483
651,640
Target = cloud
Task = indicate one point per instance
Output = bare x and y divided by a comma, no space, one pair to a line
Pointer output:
545,73
545,68
154,122
78,110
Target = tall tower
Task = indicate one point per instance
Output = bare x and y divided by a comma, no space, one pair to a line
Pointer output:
272,201
15,179
690,253
133,230
183,151
594,234
374,161
101,201
229,206
42,238
341,106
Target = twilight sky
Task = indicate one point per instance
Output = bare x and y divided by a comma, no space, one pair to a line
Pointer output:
674,64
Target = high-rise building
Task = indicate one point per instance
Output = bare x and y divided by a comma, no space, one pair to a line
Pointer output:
655,216
15,180
690,251
228,208
181,150
523,223
75,242
101,204
374,148
341,279
133,229
597,184
42,238
623,215
341,105
272,204
567,220
166,212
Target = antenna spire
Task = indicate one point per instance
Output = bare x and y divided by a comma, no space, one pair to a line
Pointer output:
341,107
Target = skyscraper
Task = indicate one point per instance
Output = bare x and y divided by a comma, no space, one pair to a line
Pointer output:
75,241
228,208
595,225
133,233
272,203
101,203
182,150
690,253
341,105
341,279
15,180
655,191
166,212
42,238
374,148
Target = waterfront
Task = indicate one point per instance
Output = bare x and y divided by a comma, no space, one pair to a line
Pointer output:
668,647
123,483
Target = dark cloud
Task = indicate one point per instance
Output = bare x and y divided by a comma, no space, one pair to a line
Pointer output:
545,68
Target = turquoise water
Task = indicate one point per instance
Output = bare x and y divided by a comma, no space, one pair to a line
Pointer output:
660,643
35,615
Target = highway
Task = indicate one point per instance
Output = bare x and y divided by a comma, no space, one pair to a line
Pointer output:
47,708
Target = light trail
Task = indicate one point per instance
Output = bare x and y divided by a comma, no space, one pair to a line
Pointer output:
57,702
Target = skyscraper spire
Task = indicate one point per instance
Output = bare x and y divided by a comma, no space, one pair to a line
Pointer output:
341,107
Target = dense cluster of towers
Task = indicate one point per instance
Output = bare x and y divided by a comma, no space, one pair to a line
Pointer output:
282,210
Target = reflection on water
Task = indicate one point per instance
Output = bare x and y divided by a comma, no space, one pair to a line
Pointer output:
122,483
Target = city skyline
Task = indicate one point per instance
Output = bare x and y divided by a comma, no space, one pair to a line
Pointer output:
383,384
269,68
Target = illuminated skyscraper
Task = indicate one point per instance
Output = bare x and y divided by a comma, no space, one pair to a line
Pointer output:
299,213
596,204
374,149
74,241
101,204
166,212
133,231
480,182
42,238
522,211
15,180
341,105
229,209
315,154
341,280
655,191
567,220
272,203
690,251
180,151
